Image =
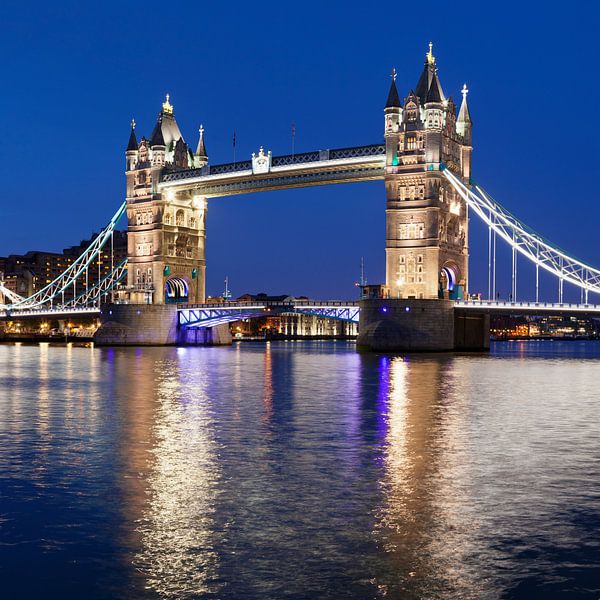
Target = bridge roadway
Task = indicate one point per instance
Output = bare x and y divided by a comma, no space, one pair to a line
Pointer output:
320,167
210,314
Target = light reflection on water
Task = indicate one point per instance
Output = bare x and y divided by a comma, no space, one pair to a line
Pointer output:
299,470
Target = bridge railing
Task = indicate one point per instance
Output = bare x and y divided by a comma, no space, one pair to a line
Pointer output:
562,306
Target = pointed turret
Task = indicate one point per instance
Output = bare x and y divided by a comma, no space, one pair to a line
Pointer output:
426,76
393,116
201,149
464,116
393,100
157,138
464,128
435,93
132,145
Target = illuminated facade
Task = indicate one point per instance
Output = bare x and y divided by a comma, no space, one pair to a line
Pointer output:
166,230
427,221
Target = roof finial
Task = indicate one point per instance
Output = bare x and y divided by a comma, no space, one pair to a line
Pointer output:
167,107
430,56
393,75
201,130
132,123
464,91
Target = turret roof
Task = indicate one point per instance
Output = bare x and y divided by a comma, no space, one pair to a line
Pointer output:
201,149
435,93
132,145
157,138
169,130
393,100
464,116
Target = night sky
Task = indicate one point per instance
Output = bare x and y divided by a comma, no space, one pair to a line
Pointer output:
75,73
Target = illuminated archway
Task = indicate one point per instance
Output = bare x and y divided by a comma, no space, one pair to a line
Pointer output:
449,281
176,290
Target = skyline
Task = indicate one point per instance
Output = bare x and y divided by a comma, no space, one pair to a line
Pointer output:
329,227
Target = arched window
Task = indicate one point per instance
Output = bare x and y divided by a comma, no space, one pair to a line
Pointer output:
167,218
193,222
179,218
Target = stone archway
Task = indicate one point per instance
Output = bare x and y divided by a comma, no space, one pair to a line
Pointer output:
177,290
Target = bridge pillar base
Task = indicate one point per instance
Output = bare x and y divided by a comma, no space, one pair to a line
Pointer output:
394,325
137,325
220,335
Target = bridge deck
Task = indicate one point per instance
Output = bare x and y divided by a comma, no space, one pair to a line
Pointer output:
527,307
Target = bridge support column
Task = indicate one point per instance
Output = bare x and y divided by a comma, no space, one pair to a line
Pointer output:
220,335
394,325
137,325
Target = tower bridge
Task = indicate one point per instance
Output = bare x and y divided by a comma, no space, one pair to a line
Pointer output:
425,164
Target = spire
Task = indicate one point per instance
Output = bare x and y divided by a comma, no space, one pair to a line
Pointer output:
464,116
201,149
132,145
430,57
393,100
157,139
167,107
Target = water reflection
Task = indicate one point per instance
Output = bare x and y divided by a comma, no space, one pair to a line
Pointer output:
297,470
174,476
421,524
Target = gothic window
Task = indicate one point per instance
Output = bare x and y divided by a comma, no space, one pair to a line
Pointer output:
149,276
411,231
137,276
193,222
411,142
411,111
179,218
167,218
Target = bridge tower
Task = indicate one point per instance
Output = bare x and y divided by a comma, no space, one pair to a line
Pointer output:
426,220
166,232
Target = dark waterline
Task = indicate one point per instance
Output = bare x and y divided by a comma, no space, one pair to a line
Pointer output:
299,470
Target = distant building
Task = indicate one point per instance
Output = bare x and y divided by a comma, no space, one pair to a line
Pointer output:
28,273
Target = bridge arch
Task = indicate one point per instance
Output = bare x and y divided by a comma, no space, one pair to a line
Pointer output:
177,290
450,276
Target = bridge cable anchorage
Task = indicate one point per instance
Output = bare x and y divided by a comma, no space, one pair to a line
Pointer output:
541,252
79,267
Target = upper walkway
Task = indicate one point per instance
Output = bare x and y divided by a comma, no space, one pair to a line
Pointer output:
264,173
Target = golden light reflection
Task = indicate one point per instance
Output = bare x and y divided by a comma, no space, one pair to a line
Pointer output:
176,527
268,384
422,522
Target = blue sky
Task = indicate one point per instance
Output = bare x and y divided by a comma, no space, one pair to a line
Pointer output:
74,73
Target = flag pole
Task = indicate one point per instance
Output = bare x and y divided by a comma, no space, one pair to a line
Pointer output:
293,137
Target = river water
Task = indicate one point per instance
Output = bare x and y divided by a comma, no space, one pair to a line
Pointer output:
299,470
